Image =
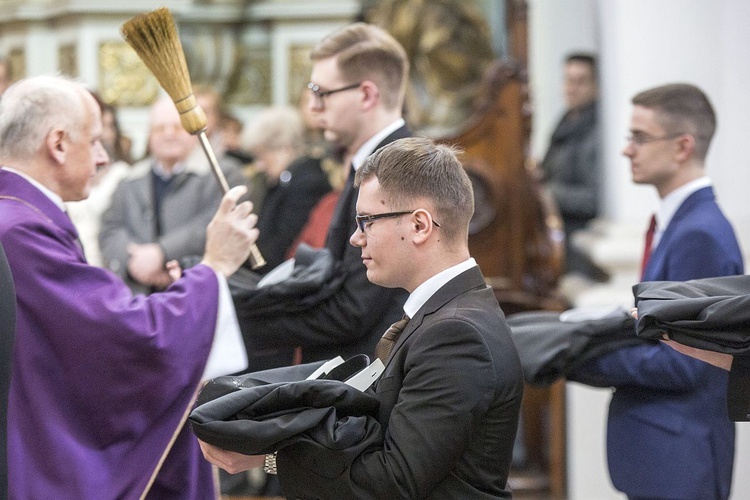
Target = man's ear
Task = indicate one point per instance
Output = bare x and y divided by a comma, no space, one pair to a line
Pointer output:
421,225
686,147
371,94
57,145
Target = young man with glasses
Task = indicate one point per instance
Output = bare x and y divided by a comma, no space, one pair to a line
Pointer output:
357,87
451,390
668,432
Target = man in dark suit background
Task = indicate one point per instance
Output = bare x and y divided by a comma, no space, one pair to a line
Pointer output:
571,168
668,405
7,333
357,90
452,385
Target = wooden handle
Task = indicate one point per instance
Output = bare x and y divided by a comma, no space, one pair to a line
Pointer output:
256,258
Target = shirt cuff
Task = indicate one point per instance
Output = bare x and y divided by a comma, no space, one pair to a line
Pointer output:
228,354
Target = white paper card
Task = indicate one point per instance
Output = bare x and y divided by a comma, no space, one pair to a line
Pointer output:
365,377
326,367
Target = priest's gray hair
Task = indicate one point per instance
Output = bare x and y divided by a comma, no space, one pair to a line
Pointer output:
31,108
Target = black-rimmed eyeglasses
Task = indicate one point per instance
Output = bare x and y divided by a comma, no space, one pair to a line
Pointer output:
641,139
319,95
366,219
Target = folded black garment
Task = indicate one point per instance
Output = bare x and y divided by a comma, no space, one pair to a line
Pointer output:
263,412
313,279
711,313
550,349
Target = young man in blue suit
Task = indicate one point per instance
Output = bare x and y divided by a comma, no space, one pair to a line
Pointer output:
451,390
668,433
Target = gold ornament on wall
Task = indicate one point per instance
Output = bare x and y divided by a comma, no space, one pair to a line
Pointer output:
300,67
250,81
449,46
17,63
68,60
123,78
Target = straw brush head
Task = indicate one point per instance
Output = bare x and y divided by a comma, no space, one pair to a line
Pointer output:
154,38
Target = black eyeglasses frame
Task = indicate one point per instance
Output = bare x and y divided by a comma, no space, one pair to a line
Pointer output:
364,219
320,95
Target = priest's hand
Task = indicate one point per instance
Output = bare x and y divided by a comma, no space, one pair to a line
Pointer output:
230,461
230,234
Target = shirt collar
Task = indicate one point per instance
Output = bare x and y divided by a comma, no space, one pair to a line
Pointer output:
423,292
54,197
368,147
165,174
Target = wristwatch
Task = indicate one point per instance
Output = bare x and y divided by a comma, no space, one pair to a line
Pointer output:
270,463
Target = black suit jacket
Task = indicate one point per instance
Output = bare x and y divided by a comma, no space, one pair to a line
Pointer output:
7,334
449,401
346,321
287,206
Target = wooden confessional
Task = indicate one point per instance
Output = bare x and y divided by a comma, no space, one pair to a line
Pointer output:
516,237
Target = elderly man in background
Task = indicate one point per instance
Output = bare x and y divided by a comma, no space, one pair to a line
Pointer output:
161,210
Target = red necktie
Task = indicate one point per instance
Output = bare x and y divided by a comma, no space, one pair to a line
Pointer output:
647,248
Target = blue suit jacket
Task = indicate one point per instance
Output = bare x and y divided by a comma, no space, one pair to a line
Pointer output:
668,432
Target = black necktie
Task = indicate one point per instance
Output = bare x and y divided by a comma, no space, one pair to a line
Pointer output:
342,222
390,337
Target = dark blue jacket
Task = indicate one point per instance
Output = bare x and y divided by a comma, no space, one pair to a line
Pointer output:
668,432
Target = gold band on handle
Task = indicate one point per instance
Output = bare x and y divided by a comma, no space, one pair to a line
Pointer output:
192,116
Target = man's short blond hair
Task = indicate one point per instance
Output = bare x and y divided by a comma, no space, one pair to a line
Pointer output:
366,52
413,169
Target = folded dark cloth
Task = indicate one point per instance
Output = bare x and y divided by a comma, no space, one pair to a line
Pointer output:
550,349
264,412
711,313
312,280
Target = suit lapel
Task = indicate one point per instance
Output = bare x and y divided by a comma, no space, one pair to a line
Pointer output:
655,263
467,280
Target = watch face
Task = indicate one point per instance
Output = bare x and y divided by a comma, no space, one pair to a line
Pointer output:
485,210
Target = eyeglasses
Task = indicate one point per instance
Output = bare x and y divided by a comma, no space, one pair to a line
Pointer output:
365,219
640,139
319,95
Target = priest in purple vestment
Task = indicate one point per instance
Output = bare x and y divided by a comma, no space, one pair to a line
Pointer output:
101,379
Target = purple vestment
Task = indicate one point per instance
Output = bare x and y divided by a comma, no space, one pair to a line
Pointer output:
101,379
